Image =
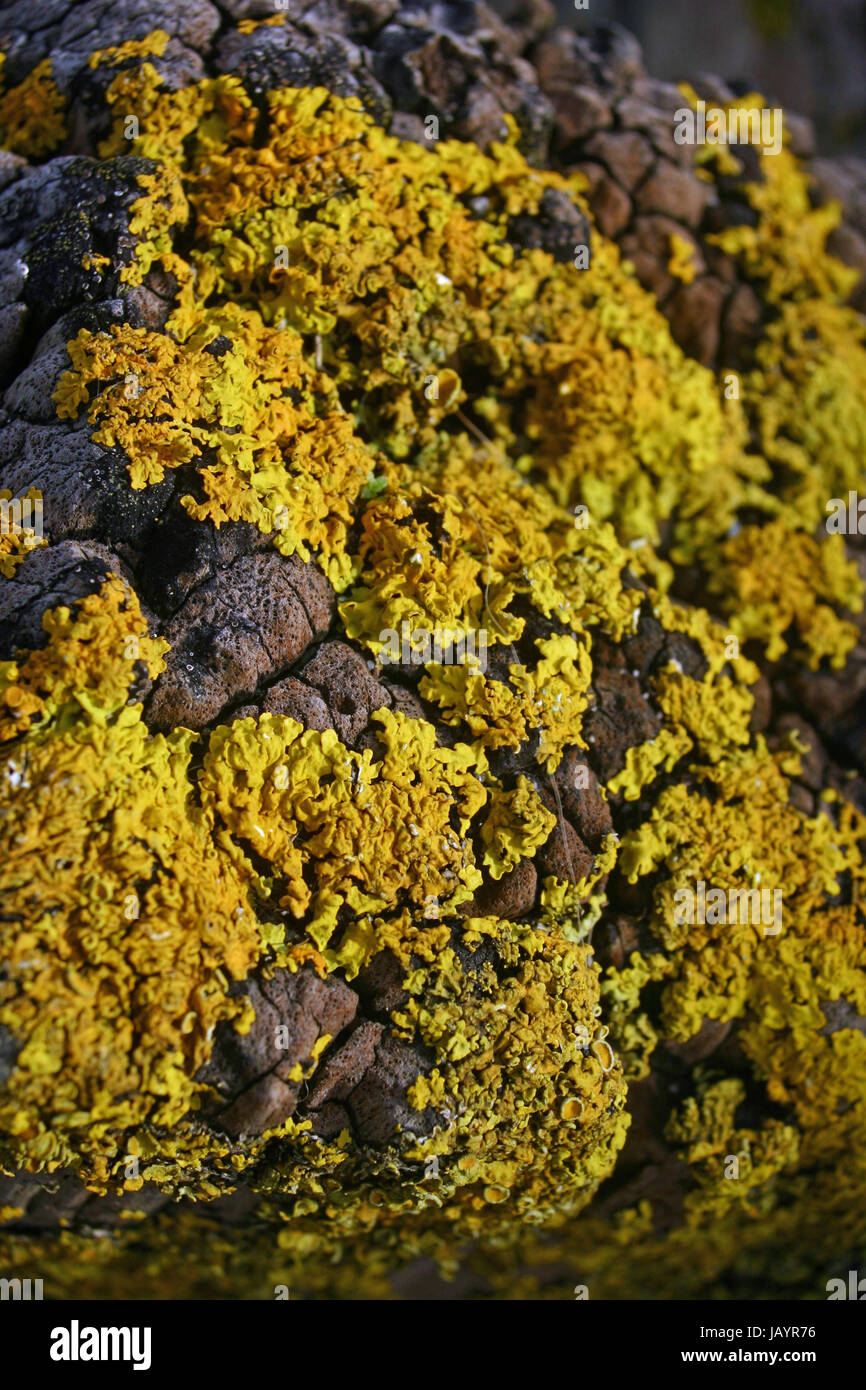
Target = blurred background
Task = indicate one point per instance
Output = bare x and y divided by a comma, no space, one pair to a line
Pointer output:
808,55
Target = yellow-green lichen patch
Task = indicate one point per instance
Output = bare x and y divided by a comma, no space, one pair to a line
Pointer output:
18,539
284,467
714,715
153,45
136,892
551,697
530,1119
738,834
514,1048
126,926
328,229
806,401
644,760
359,364
804,396
449,549
332,227
517,824
782,588
33,114
302,799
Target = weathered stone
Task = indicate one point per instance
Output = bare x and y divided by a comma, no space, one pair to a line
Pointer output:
625,155
610,203
673,191
511,896
694,312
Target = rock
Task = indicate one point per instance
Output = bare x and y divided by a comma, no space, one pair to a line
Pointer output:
378,1103
300,1004
48,577
710,1035
801,133
619,53
564,60
841,1014
742,323
849,245
339,1075
298,700
802,798
619,719
468,81
380,984
822,696
30,395
559,227
9,1050
763,706
61,215
296,55
13,323
642,651
694,312
75,29
263,1105
649,248
610,203
582,801
250,621
511,896
674,192
814,761
348,689
626,156
579,111
614,938
564,855
12,166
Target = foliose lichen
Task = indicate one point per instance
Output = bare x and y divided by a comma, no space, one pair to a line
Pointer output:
363,362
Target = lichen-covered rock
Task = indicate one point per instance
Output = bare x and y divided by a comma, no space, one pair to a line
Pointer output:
414,620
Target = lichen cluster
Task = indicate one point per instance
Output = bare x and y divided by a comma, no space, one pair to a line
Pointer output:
326,275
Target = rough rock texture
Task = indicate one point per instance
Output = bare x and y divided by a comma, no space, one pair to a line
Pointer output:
233,632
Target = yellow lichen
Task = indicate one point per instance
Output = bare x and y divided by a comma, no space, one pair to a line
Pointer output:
517,824
152,46
550,698
780,587
32,115
681,263
381,380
